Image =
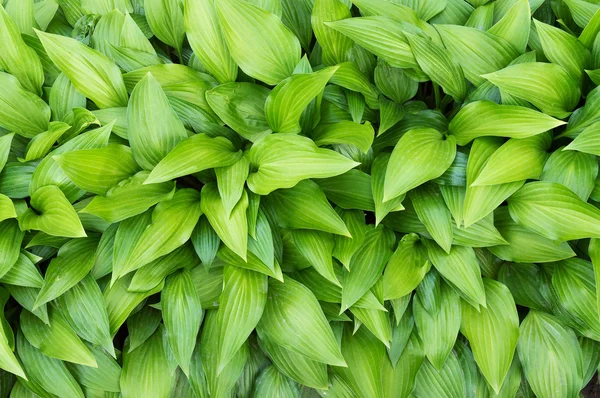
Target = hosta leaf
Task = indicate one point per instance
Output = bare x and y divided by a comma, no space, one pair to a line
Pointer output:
54,216
231,228
549,87
575,170
288,99
439,65
438,330
206,38
146,370
231,181
492,332
554,211
142,325
41,144
486,118
587,141
91,73
514,26
378,172
8,360
459,267
405,268
103,167
351,190
477,52
153,127
7,208
129,197
399,381
334,45
165,18
283,160
23,273
272,384
172,224
182,315
364,355
516,160
433,213
22,112
293,319
206,241
242,106
48,374
526,284
417,148
367,265
550,356
196,153
273,51
83,307
316,247
345,132
104,378
446,382
241,307
394,83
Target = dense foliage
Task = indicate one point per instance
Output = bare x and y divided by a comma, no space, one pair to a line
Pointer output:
299,198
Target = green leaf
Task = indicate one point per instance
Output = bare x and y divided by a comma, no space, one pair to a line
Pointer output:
477,52
378,172
486,118
22,112
7,208
206,242
492,332
438,329
182,315
129,198
8,360
446,382
367,265
183,159
153,127
345,132
92,73
272,51
549,87
54,214
294,320
283,160
273,384
146,370
242,106
83,307
240,309
41,144
399,381
416,149
287,101
575,170
459,267
514,26
206,38
587,141
23,273
104,378
550,356
526,284
142,325
165,18
335,46
431,209
306,207
316,247
351,190
554,211
102,168
439,65
406,268
231,228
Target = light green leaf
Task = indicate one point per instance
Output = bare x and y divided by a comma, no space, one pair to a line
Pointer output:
550,356
287,101
378,172
406,268
477,52
549,87
142,325
345,132
335,46
293,319
184,158
575,170
165,18
270,383
283,160
459,267
514,26
554,211
146,370
8,360
129,198
587,141
416,149
394,83
23,273
7,208
431,209
351,190
41,144
153,127
240,309
206,242
54,214
92,73
259,42
316,247
22,112
206,38
448,382
526,284
486,118
104,378
399,381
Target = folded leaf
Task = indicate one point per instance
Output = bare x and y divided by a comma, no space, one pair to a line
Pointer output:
514,26
446,382
405,268
91,73
485,118
22,112
196,153
550,356
165,18
258,41
345,132
206,241
335,46
8,360
272,384
416,149
431,209
575,170
399,381
293,319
